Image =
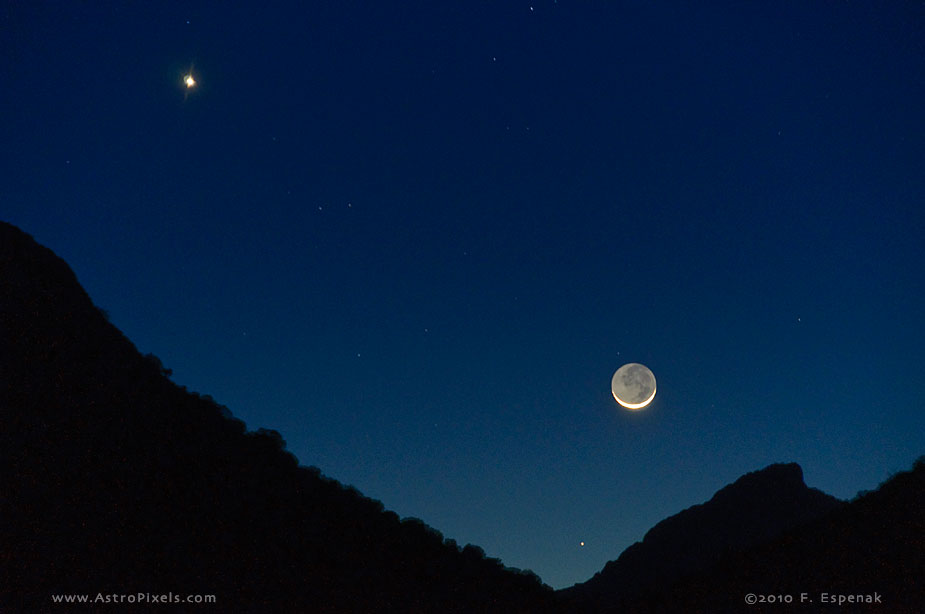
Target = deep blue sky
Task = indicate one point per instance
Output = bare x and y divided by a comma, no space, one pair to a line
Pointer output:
417,238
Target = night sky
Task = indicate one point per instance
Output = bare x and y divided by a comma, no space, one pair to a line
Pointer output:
418,238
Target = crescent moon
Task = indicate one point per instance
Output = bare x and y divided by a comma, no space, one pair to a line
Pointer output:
633,386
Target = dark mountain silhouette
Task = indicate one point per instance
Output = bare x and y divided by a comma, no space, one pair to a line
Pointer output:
873,547
755,508
116,481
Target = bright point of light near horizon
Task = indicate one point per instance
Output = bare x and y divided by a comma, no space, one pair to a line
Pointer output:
633,386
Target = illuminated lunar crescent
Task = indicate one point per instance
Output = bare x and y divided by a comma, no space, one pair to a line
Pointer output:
633,386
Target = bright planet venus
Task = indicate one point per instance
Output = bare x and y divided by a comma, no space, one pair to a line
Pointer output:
633,386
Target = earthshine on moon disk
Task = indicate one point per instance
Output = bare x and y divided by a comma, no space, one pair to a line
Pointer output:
633,386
